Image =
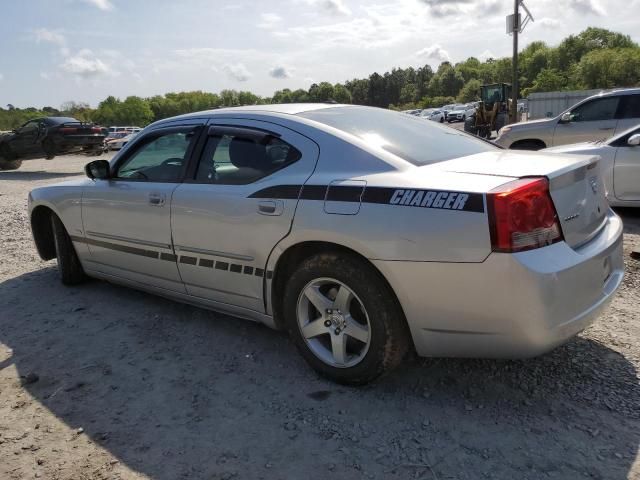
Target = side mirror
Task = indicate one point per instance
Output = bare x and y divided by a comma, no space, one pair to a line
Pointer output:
97,170
634,140
566,117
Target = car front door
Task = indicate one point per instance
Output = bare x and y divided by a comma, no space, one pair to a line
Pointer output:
626,169
592,120
25,143
237,204
127,219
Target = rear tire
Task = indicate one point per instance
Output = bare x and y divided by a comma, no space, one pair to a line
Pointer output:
71,271
352,291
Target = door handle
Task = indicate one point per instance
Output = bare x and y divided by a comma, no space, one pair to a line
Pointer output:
157,199
271,207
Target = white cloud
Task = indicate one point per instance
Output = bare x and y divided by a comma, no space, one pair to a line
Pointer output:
333,7
435,52
269,20
445,8
548,22
45,75
1,77
487,54
101,4
85,64
237,71
280,72
43,35
588,7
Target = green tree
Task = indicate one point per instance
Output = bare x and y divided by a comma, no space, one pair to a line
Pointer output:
470,92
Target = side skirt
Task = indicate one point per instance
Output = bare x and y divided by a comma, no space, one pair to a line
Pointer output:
220,307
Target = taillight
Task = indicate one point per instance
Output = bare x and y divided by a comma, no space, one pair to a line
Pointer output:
96,130
66,130
522,216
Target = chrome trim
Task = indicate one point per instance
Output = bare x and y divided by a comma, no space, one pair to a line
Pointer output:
213,253
130,240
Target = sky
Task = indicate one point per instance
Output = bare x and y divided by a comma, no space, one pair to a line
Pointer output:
52,51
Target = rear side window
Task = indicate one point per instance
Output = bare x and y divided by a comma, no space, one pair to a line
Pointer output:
411,138
596,110
236,159
629,106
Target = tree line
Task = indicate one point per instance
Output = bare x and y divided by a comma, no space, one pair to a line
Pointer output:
595,58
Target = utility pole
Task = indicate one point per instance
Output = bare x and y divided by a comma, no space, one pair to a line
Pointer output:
514,75
515,27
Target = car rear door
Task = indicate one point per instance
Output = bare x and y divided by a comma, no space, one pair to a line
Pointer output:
628,112
127,219
236,205
592,120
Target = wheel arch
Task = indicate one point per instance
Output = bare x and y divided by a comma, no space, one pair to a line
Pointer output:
518,144
294,254
43,231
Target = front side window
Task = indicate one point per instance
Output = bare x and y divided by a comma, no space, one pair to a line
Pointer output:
596,110
161,159
30,127
232,159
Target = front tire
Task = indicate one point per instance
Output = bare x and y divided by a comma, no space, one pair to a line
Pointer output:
71,271
344,318
10,164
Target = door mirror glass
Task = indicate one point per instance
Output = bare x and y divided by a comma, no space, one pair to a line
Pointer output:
634,140
566,117
98,169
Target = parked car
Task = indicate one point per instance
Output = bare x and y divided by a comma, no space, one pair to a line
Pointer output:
460,113
599,117
363,232
433,114
120,142
619,164
48,137
124,130
447,108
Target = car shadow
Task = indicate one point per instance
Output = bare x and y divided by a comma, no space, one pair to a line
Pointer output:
173,391
20,175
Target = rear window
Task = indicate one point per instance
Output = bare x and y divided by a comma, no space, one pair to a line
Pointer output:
413,139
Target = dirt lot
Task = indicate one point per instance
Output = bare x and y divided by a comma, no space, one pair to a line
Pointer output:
103,382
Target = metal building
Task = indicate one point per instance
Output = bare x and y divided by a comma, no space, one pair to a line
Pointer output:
551,104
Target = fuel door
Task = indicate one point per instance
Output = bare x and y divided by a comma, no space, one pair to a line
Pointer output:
344,197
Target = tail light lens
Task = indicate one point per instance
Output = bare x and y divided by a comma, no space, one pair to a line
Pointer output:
67,130
522,216
96,130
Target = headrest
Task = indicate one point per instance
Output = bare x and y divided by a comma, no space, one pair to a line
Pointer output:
245,153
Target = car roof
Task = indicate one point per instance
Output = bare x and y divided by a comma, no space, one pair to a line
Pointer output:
56,120
621,91
280,108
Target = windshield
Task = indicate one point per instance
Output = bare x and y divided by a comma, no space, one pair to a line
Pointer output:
412,139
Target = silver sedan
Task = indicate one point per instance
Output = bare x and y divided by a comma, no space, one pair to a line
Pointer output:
620,165
364,233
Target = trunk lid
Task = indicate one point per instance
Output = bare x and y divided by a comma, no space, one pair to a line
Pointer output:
575,185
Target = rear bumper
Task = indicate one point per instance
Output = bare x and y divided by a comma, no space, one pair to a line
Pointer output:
511,305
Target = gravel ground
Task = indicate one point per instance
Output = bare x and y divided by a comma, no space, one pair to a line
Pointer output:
103,382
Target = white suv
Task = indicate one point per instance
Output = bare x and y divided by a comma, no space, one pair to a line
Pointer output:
597,118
